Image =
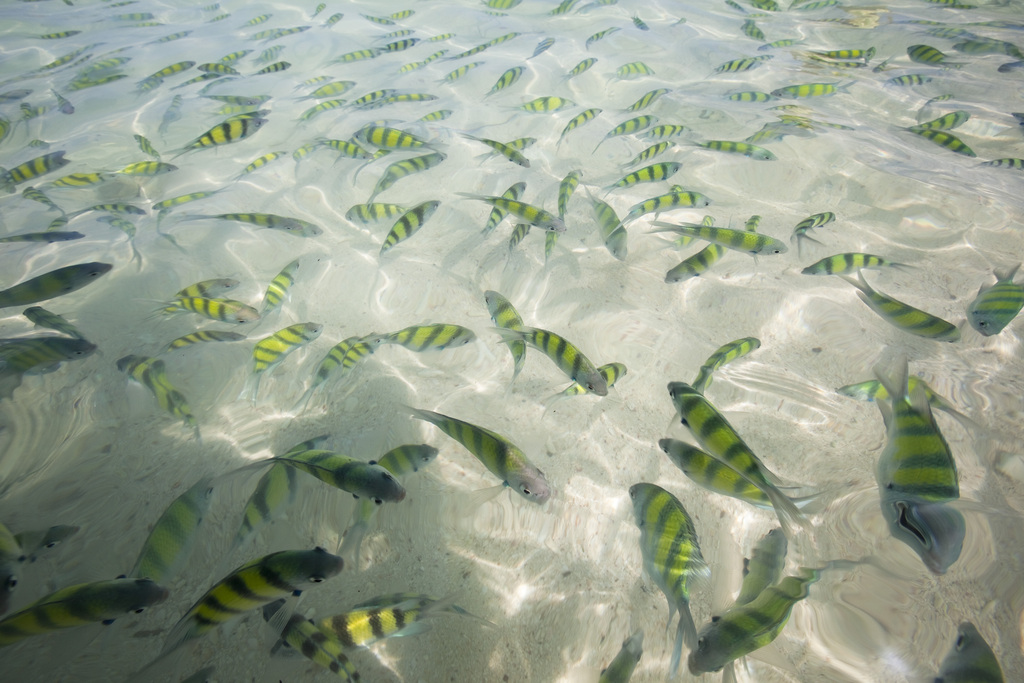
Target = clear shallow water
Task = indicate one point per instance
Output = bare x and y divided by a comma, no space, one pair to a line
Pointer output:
561,582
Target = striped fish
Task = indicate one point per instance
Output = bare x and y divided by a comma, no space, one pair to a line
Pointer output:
315,644
904,316
668,543
86,603
272,350
387,616
504,314
764,566
345,354
742,629
278,288
430,337
152,374
724,354
169,544
995,307
916,475
251,586
499,455
353,476
53,284
562,353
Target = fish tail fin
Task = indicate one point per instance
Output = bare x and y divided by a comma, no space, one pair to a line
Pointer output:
508,335
303,401
251,388
788,512
686,632
351,543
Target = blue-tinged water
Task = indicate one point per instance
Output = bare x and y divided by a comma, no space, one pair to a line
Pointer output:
562,582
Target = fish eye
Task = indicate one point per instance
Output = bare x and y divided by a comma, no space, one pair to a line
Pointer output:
960,640
378,501
316,579
982,323
701,642
526,491
11,582
590,386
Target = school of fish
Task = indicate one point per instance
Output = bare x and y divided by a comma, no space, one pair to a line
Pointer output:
361,155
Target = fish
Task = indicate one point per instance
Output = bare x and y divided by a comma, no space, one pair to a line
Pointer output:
274,491
292,226
226,132
926,54
272,350
753,243
610,228
409,224
152,374
504,314
33,542
34,168
996,306
224,310
253,585
944,139
621,668
549,103
713,432
523,211
743,148
676,198
48,237
917,476
345,354
202,336
404,168
387,616
634,70
649,174
851,262
499,455
348,474
742,64
507,79
79,605
580,68
278,288
384,137
805,90
37,355
954,119
814,221
170,542
649,153
672,557
147,168
507,151
274,68
629,127
971,660
315,644
583,117
371,213
724,354
565,355
764,566
611,373
742,629
44,318
908,79
53,284
904,316
430,337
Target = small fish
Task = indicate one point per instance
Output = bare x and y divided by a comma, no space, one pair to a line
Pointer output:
409,224
947,122
944,139
814,221
805,90
63,106
764,566
315,644
251,586
611,373
971,660
675,199
583,117
272,350
39,355
208,288
273,493
610,228
744,148
907,79
498,454
293,226
152,374
565,355
44,318
232,130
751,30
201,337
53,284
672,557
278,288
622,667
996,306
742,64
904,316
873,389
926,54
648,174
543,105
274,68
430,337
917,475
507,79
724,354
22,173
49,237
386,616
404,168
85,603
741,240
170,542
359,478
224,310
503,149
371,213
742,629
634,70
580,68
345,354
33,542
844,264
526,212
648,99
147,169
633,125
504,314
384,137
714,433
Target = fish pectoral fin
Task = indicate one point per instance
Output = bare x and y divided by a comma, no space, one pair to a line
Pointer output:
477,498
